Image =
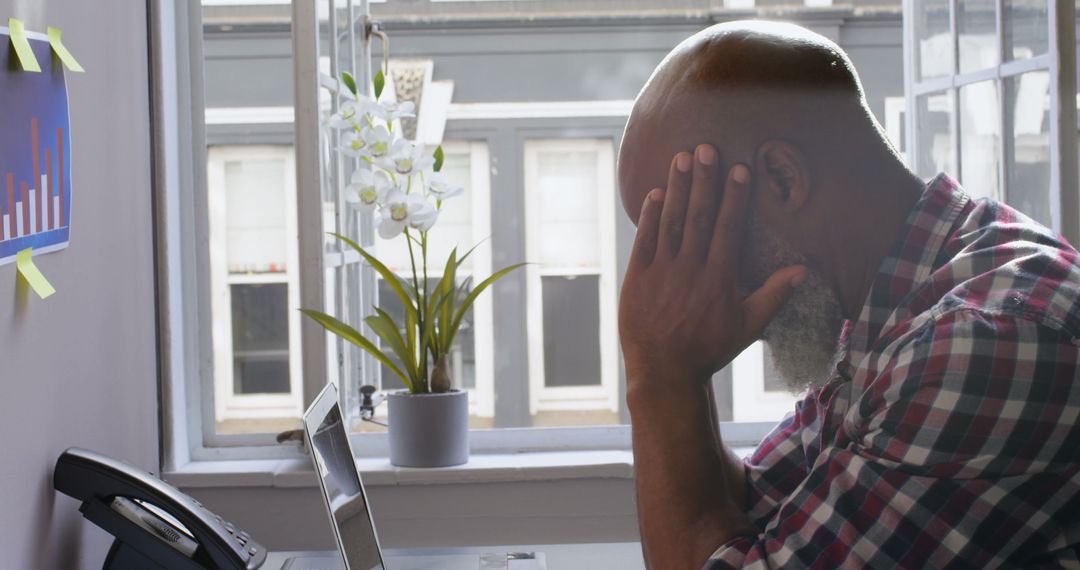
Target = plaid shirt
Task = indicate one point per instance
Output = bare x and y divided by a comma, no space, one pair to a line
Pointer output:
948,436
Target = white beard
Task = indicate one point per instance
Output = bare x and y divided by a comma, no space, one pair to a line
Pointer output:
804,336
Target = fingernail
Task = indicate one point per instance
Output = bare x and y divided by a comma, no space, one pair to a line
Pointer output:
741,174
682,162
799,278
656,194
706,154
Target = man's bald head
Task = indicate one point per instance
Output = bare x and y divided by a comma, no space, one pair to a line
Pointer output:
737,85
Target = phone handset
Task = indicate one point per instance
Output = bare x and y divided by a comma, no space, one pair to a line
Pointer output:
169,534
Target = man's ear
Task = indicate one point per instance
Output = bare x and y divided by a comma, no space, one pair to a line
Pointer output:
782,173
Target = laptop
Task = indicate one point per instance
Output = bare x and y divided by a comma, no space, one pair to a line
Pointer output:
350,514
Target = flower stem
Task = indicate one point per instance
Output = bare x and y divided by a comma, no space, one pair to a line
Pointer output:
421,370
427,318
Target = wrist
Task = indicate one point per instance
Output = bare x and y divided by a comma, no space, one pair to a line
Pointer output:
655,388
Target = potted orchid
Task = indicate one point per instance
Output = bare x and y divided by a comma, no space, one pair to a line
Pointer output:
401,185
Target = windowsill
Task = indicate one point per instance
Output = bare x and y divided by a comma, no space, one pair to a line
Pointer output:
481,468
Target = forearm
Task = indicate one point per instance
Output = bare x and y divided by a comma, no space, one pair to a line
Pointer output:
733,464
690,496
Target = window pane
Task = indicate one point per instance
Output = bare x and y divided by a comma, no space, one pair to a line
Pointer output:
568,209
1026,28
571,330
1027,106
934,131
976,23
980,137
255,206
935,52
260,334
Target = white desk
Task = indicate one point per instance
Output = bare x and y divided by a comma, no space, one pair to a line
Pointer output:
620,556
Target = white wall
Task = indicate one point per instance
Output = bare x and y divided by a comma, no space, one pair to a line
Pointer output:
78,369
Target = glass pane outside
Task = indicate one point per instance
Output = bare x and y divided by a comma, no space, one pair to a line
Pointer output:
569,232
934,55
571,330
976,25
255,210
1027,31
260,335
934,132
1027,107
980,139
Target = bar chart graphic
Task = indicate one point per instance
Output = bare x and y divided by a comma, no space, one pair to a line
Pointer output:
35,154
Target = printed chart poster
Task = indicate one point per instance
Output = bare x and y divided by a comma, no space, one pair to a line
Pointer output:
35,152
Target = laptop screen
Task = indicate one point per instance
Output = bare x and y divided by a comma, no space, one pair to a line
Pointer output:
340,483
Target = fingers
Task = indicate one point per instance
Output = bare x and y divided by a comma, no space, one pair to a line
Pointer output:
704,200
673,218
727,235
761,306
648,230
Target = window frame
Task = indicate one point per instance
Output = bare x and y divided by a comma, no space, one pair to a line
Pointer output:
180,144
1059,61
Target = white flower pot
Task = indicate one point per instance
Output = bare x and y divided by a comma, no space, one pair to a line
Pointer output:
429,430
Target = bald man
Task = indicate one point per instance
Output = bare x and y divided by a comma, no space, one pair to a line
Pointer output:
935,336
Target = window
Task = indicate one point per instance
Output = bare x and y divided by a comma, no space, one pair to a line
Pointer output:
533,124
253,288
985,102
573,349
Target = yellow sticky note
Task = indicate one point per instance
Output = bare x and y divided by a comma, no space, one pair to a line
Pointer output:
61,51
25,262
22,47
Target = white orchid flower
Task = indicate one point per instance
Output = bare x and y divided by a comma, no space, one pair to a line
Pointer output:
402,211
348,116
373,108
406,158
422,214
378,141
368,188
441,189
353,144
398,110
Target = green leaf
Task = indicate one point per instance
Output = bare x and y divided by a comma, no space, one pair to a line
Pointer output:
439,158
350,82
389,276
379,82
449,284
352,335
476,293
471,250
411,323
384,326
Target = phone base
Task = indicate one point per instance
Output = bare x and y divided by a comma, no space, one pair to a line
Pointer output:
123,557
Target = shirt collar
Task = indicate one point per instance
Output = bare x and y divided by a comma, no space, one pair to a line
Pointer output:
910,260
